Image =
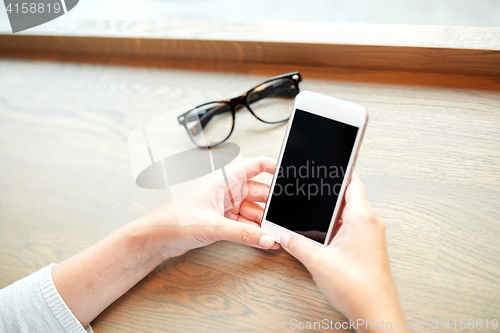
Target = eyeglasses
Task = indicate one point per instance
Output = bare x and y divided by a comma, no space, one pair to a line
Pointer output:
212,123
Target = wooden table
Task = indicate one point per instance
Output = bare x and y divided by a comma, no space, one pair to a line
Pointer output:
430,161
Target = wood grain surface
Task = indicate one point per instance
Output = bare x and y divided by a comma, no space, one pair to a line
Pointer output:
456,57
430,162
441,60
186,28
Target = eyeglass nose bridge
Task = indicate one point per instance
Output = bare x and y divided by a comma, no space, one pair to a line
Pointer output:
240,100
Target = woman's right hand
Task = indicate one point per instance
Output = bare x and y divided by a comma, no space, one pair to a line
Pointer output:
353,271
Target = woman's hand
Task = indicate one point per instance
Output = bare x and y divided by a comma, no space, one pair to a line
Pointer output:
93,279
353,271
215,210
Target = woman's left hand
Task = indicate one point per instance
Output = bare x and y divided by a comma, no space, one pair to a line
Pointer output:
215,210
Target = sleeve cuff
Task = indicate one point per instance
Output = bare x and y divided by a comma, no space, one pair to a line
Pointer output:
57,305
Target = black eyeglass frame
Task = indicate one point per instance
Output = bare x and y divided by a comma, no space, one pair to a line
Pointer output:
239,102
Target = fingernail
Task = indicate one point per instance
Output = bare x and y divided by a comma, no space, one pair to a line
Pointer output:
266,241
284,240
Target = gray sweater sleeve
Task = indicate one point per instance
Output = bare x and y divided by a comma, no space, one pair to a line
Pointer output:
33,304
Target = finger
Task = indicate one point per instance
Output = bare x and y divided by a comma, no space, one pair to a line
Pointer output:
257,191
259,164
339,224
357,207
240,218
243,219
243,233
230,214
276,246
356,192
299,246
339,231
240,173
251,211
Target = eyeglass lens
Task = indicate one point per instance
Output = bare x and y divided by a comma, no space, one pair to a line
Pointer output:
272,101
210,124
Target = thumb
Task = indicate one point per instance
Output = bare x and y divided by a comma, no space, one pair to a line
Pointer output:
299,246
243,233
356,192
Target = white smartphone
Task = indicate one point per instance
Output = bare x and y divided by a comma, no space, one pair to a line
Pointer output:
315,164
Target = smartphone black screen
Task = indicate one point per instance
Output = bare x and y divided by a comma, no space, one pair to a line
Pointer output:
311,173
